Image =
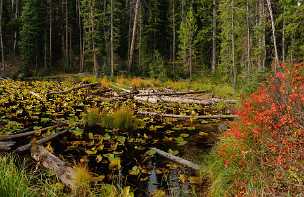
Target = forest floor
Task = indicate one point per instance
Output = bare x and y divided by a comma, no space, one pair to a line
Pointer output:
105,132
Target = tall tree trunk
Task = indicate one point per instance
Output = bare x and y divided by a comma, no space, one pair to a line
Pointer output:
15,33
283,37
81,48
214,15
174,36
273,35
133,35
66,34
1,36
112,48
93,39
50,32
233,46
264,35
248,37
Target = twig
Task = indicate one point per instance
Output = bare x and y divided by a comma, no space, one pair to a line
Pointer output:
72,89
177,159
221,116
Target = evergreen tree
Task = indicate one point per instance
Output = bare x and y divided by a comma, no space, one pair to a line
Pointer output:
31,35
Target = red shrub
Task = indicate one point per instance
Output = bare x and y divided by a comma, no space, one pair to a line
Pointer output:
273,118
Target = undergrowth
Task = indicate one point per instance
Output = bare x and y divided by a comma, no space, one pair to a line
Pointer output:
13,181
262,154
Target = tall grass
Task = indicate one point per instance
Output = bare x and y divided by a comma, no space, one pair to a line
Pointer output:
13,182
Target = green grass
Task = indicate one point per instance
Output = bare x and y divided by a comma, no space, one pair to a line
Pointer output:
13,181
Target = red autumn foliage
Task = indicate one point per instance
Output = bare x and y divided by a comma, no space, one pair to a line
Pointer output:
272,119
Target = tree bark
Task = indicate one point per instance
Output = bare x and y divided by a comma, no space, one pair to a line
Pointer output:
133,35
273,35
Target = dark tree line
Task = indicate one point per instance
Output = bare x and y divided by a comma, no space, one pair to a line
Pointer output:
168,38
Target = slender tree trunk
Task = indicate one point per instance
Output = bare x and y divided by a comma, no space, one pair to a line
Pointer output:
283,37
112,48
273,35
133,35
1,36
248,38
93,39
140,38
66,34
50,31
214,15
174,36
264,35
81,49
233,46
15,33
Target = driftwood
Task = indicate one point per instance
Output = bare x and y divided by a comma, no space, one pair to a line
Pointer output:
72,89
25,134
177,159
187,116
41,141
64,172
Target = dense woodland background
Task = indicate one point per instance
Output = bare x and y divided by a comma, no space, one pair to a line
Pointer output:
163,39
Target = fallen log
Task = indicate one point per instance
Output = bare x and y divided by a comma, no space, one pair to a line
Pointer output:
64,172
155,99
25,134
177,159
6,146
41,141
171,93
72,89
221,116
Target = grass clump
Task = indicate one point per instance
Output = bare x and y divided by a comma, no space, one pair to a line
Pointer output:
13,182
122,118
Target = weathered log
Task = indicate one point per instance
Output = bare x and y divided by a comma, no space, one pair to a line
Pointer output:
41,141
221,116
25,134
61,169
171,93
6,146
72,89
177,159
155,99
